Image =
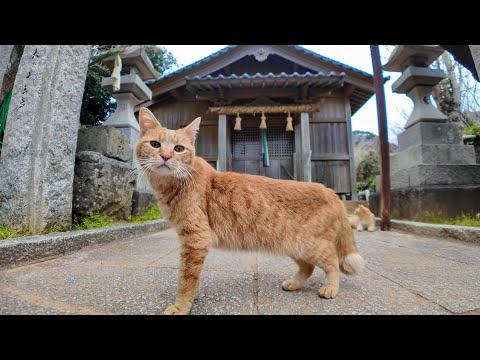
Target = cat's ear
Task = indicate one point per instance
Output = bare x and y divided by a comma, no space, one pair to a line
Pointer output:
147,120
191,130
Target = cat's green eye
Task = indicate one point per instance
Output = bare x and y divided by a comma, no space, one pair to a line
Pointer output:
155,144
179,148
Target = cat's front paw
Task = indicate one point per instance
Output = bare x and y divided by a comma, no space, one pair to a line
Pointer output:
291,285
328,291
176,310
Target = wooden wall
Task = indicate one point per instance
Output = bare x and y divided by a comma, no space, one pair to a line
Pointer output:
329,144
328,137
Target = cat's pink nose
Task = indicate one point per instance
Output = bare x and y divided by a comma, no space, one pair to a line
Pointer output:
165,157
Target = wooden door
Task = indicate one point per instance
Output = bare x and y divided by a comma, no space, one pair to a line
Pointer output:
247,151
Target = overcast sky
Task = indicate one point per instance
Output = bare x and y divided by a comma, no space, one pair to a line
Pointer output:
357,56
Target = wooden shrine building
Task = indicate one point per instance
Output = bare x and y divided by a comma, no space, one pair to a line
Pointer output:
288,86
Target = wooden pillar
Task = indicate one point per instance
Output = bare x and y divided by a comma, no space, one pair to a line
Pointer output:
297,159
229,145
385,195
306,152
222,143
353,179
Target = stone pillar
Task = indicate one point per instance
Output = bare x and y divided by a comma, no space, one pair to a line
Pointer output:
432,159
38,158
5,54
475,50
306,152
222,143
123,118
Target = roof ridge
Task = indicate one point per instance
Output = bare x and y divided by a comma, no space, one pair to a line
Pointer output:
198,62
230,47
268,75
327,59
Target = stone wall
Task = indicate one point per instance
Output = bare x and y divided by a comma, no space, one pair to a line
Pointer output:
421,203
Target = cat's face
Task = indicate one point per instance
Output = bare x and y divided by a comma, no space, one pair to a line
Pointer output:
362,211
164,151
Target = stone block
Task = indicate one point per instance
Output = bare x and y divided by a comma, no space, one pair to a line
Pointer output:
102,185
142,201
420,203
428,175
441,154
132,136
105,140
430,133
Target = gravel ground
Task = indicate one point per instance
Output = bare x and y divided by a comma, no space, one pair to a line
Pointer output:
405,274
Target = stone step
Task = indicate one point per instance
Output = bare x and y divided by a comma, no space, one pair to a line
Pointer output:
439,154
426,175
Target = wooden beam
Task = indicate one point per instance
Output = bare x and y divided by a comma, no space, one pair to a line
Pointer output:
306,152
176,94
326,121
250,93
331,158
222,143
385,196
353,178
272,109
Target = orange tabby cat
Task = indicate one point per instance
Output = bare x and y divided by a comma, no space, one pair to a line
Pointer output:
228,210
362,218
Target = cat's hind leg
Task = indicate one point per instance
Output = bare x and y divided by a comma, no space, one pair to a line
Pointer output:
305,270
326,258
332,280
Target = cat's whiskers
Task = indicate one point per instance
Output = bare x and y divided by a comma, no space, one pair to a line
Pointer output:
185,176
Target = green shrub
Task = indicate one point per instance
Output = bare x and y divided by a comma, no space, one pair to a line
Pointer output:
367,171
472,129
7,232
94,221
152,213
463,220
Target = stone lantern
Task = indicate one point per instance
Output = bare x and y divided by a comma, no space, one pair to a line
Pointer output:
433,173
136,68
417,80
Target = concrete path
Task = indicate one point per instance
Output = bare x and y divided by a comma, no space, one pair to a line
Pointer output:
405,274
